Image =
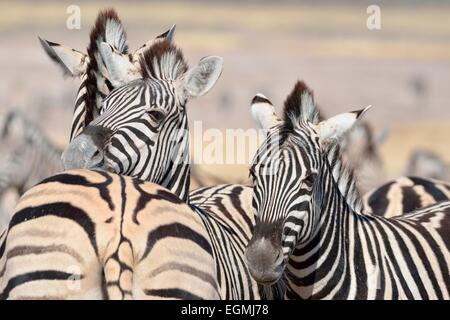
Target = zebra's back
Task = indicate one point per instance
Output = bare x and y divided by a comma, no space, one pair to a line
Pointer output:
405,194
87,234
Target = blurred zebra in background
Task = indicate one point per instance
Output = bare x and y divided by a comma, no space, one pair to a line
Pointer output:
27,156
360,151
427,164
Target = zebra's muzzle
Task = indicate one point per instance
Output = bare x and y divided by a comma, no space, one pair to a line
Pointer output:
265,262
82,153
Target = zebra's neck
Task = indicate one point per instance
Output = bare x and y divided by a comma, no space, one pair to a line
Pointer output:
178,175
324,266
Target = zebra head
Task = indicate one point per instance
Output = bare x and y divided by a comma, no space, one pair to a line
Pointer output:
142,130
97,81
286,170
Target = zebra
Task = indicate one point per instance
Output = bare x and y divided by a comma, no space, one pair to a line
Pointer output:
310,227
87,150
145,115
427,164
27,155
116,69
164,71
96,79
359,149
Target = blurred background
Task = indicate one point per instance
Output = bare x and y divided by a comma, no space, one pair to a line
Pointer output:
402,70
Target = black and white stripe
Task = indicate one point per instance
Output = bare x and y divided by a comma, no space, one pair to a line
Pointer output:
405,194
310,229
96,235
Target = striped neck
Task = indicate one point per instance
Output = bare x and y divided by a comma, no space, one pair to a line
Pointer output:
323,266
178,175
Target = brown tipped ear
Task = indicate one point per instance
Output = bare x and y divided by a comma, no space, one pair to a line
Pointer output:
73,63
168,36
263,112
331,130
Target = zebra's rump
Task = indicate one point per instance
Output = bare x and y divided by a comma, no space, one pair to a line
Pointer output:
92,235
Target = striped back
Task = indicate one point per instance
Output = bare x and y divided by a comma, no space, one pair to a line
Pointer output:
404,195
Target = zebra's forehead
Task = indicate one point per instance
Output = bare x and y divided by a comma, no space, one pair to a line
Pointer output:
147,91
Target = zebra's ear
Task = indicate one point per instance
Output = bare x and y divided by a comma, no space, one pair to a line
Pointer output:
201,78
331,130
264,113
72,62
168,35
118,65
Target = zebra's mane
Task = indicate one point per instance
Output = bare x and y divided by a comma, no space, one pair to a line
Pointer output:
163,60
299,108
107,28
344,177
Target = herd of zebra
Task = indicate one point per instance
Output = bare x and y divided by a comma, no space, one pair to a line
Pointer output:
122,223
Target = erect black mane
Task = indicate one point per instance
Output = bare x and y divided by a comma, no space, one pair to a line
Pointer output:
106,18
163,60
298,107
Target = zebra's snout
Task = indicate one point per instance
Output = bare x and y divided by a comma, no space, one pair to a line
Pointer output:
264,260
82,153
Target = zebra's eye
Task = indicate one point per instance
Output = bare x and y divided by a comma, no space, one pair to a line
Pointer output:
309,180
156,115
